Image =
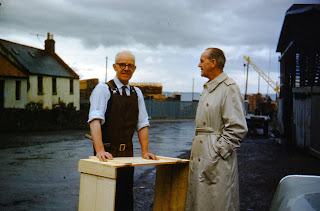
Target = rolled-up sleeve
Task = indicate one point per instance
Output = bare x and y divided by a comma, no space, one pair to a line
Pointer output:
99,102
143,119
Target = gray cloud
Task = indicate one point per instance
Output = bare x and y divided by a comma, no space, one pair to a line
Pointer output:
151,23
167,36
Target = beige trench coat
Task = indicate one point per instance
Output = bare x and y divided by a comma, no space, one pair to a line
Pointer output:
220,127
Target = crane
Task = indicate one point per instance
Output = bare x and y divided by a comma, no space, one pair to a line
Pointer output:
271,83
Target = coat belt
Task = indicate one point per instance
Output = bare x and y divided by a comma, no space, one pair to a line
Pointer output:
207,131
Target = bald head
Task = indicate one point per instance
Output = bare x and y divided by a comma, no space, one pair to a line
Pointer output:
125,53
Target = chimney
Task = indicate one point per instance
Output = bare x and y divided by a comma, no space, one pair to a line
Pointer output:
49,43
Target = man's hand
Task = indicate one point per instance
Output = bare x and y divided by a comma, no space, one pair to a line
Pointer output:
148,155
103,156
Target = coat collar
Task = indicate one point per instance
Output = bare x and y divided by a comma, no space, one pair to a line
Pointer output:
212,85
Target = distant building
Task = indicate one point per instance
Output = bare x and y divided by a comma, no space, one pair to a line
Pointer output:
86,88
31,75
13,84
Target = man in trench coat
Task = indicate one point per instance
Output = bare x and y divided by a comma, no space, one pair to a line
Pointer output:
220,127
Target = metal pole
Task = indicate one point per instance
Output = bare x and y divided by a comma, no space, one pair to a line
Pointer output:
258,83
244,71
269,73
106,79
246,93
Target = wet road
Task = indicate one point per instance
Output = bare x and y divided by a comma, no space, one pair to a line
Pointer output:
39,170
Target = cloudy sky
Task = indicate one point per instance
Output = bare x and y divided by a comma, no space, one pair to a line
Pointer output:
167,36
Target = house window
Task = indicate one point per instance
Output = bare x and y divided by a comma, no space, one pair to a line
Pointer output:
71,86
18,90
54,86
40,85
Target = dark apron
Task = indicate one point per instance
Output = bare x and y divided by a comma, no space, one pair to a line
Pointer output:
117,132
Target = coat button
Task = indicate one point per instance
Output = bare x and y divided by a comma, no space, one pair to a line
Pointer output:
207,104
192,139
199,159
200,141
204,123
191,157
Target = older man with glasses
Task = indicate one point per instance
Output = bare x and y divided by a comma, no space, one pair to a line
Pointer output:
116,111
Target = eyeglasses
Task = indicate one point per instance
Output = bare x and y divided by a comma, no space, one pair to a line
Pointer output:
123,66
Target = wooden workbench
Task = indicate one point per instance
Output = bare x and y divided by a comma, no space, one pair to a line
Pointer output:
98,182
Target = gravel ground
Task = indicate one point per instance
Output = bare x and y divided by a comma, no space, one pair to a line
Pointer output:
262,163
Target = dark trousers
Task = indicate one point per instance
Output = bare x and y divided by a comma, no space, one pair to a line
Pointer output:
124,192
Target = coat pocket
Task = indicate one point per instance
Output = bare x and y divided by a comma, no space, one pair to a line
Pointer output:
213,151
209,173
209,165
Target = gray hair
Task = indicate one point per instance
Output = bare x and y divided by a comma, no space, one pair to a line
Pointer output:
125,51
218,55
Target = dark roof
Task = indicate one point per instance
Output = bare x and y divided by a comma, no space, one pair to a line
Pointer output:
39,62
302,26
10,70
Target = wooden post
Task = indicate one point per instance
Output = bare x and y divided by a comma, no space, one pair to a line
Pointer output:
171,187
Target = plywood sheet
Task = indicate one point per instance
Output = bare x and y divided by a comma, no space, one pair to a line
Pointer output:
138,161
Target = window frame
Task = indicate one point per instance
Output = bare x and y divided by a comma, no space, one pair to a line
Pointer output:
40,85
54,86
71,86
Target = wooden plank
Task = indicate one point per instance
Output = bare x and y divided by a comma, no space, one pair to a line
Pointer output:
87,192
174,160
171,187
139,161
121,163
96,193
106,192
97,168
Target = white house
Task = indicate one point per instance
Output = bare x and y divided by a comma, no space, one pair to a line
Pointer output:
31,75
